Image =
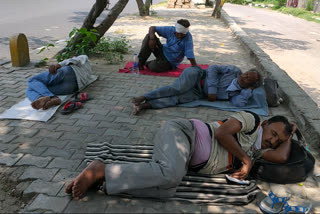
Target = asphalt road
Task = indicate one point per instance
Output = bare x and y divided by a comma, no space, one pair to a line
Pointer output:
292,43
45,21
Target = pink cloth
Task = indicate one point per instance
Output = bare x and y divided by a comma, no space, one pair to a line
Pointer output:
202,147
171,73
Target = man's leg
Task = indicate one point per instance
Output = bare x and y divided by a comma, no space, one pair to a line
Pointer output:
64,83
145,51
190,78
158,178
159,65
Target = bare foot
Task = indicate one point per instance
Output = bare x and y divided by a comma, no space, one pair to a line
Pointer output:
40,102
54,101
138,100
68,188
136,109
88,177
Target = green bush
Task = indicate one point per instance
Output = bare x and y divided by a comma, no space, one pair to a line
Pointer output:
310,4
279,3
237,1
111,49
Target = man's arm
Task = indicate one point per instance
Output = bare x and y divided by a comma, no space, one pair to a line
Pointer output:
193,62
224,135
240,100
152,37
53,68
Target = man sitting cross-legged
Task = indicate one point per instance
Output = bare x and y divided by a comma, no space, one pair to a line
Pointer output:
66,77
221,82
181,145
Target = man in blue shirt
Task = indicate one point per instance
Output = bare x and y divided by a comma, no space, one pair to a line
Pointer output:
218,82
170,55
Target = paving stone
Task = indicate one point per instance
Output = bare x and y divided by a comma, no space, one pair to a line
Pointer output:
7,138
38,173
52,143
65,175
48,127
106,118
61,163
90,124
67,128
48,188
26,132
8,148
126,120
5,130
98,111
27,148
54,152
120,133
104,124
93,203
69,122
43,133
27,140
73,136
93,130
20,123
81,116
9,159
34,161
43,202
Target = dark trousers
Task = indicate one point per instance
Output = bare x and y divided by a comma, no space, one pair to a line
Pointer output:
160,64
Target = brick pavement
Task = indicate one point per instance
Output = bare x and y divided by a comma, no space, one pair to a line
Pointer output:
43,156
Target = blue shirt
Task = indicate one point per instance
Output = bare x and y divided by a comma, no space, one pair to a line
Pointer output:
176,49
222,80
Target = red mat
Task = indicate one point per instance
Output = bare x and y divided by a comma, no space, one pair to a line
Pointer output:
171,73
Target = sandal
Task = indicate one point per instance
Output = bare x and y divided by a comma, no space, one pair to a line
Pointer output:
272,203
296,209
70,107
83,97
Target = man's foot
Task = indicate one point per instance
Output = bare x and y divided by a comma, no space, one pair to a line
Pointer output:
68,188
88,177
138,100
54,101
40,102
136,109
141,66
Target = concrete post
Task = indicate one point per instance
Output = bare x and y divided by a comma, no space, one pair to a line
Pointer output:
19,50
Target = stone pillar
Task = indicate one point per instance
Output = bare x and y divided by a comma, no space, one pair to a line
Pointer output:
19,50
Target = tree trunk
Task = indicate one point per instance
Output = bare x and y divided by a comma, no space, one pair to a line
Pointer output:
217,10
144,8
91,18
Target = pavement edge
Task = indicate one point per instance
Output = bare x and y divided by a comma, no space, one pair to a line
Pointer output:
298,101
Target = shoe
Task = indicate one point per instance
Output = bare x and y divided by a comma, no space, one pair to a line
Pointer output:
296,209
273,204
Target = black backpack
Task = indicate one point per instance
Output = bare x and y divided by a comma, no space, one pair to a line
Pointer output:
271,89
295,170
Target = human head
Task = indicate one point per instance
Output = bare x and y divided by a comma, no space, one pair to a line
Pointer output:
250,79
182,28
276,130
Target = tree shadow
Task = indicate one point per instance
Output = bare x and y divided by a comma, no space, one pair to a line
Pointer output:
270,39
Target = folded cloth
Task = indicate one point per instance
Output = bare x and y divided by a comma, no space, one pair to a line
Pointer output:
171,73
257,104
194,187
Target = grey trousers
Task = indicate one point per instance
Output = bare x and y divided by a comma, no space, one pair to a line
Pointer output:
173,148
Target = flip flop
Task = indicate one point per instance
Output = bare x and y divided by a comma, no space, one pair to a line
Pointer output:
70,107
273,204
296,209
82,98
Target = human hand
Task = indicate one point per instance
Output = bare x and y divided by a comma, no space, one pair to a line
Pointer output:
294,129
212,97
53,68
244,171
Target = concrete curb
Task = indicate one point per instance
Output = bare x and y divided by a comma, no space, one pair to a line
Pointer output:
300,104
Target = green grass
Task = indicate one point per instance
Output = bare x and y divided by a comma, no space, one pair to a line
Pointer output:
160,4
301,13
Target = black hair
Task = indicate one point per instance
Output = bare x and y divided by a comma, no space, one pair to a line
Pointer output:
260,79
184,22
284,120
